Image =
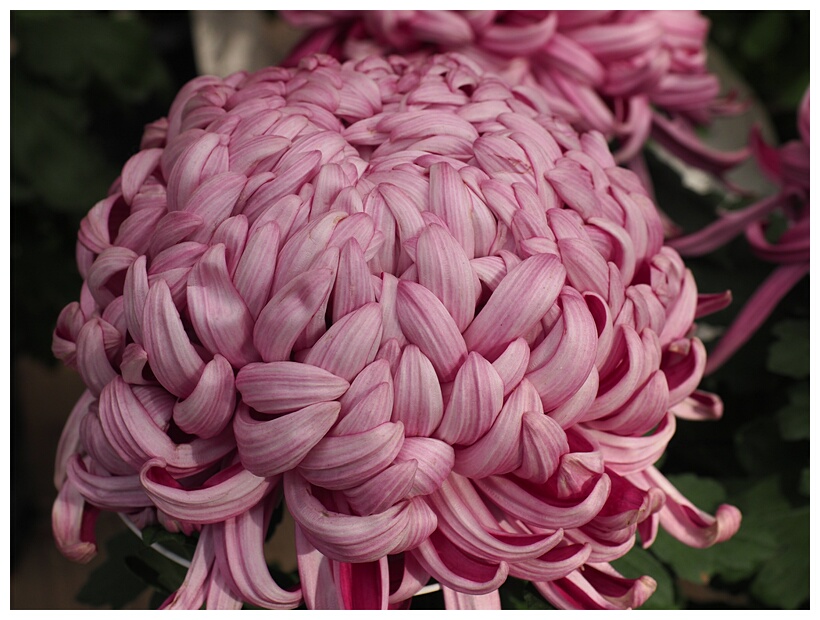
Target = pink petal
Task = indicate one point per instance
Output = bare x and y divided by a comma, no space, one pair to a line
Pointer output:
173,360
435,462
342,462
275,445
232,492
289,311
114,493
519,302
384,489
72,523
499,450
453,599
444,269
567,369
454,569
350,344
684,521
253,278
219,314
209,408
417,401
354,287
342,537
280,387
242,561
475,401
69,442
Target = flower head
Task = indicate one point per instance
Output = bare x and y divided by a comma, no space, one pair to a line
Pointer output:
438,322
627,74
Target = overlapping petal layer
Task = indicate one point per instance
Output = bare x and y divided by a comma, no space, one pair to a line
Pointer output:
432,317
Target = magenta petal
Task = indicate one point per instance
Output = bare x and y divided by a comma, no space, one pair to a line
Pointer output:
554,564
350,344
451,202
272,446
453,599
464,519
232,493
279,387
444,269
339,536
342,462
243,564
363,585
354,286
435,462
114,493
92,359
384,489
254,271
567,369
683,520
455,569
535,506
287,313
627,455
597,587
519,302
543,442
427,323
475,401
192,593
499,450
407,577
174,361
219,314
207,411
72,523
417,401
69,443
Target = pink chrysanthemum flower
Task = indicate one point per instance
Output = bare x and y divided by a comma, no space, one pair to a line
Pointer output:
788,166
439,323
627,74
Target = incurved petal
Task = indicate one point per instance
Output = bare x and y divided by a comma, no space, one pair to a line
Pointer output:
522,298
427,324
173,360
280,387
275,445
231,492
208,410
243,564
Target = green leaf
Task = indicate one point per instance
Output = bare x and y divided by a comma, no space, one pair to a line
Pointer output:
789,355
783,582
112,584
758,447
182,545
639,562
520,595
793,419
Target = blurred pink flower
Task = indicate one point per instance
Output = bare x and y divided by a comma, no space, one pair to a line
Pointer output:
627,74
789,167
438,322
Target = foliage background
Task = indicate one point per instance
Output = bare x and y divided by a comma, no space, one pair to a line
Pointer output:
83,84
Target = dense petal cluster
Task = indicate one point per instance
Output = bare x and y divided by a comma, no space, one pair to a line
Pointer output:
437,321
789,167
627,74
